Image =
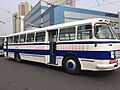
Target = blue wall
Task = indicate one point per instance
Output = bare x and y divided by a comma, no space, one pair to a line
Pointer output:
57,13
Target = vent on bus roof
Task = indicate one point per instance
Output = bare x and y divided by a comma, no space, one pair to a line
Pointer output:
103,21
100,20
106,20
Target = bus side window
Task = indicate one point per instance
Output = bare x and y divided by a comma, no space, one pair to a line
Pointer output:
84,32
16,38
22,38
53,34
67,34
10,39
40,37
30,37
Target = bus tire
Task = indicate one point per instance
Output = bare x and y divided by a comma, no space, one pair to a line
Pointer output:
17,57
71,65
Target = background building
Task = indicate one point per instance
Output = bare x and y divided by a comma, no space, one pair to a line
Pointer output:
24,8
57,14
14,17
18,23
34,16
63,2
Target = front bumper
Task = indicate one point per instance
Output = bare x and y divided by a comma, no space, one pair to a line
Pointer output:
107,66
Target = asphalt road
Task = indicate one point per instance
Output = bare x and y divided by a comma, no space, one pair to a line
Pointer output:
35,76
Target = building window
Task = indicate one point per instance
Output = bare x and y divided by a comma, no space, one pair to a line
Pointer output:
40,37
67,34
22,38
23,10
30,37
84,32
16,38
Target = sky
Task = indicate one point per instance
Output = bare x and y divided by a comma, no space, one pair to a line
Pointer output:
11,5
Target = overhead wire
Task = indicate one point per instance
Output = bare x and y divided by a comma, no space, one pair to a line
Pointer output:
4,21
6,10
105,4
98,5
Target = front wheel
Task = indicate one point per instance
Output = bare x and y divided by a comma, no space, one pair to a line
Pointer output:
71,65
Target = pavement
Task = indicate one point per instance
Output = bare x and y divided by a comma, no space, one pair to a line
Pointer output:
36,76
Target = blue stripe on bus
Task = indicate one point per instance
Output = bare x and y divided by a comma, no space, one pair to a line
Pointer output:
90,42
84,42
29,44
101,55
39,52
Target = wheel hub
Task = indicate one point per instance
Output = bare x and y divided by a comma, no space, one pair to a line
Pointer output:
71,65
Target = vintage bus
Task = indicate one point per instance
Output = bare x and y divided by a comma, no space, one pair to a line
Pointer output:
90,44
1,45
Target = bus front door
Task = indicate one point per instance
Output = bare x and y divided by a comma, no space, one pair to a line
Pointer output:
52,53
52,40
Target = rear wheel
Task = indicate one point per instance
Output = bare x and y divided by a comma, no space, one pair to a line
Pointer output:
71,65
17,57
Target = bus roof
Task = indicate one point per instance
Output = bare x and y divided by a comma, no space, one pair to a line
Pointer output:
53,27
2,36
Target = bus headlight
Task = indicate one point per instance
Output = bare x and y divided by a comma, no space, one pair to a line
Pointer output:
112,55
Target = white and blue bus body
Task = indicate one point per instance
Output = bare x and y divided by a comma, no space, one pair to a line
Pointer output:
90,44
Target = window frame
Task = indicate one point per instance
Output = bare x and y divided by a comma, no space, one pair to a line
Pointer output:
85,30
17,39
24,38
69,38
43,33
11,40
108,28
53,35
28,35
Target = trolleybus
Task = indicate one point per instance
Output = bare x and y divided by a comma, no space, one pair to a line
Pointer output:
90,44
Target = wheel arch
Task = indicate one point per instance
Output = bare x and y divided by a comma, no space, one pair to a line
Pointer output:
71,54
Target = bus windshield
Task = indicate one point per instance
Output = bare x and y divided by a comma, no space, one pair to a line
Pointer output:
103,31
